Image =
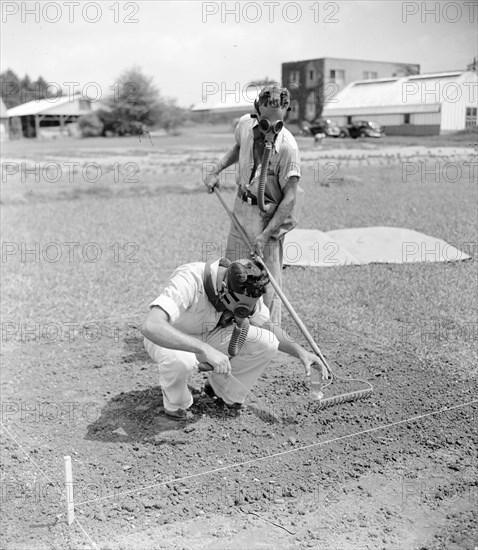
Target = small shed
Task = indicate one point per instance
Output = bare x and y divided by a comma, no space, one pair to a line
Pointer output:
424,104
50,117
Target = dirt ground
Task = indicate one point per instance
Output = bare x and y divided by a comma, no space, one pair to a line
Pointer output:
396,471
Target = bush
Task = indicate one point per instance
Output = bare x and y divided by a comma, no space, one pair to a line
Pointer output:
90,125
110,122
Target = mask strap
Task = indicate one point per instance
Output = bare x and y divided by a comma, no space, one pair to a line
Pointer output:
210,290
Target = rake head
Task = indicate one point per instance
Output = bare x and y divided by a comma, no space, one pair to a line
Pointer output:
344,398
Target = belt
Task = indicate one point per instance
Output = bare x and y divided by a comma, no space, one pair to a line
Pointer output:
247,197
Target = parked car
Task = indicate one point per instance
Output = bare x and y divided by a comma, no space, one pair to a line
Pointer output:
324,126
344,132
365,128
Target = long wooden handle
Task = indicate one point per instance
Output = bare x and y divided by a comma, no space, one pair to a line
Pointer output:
285,301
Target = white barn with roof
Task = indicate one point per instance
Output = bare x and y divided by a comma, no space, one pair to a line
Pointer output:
221,111
424,104
4,133
52,116
225,105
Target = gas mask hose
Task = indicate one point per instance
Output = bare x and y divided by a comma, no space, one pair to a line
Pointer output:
262,179
239,335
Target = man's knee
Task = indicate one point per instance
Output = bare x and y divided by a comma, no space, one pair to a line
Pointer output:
175,365
265,343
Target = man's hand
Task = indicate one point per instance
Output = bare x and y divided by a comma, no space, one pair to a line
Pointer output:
307,359
259,243
211,180
215,358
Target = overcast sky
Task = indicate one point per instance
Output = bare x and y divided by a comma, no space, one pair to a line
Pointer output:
184,45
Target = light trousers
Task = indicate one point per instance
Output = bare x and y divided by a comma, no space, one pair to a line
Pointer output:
176,367
253,222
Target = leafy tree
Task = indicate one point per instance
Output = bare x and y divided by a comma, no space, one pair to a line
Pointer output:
260,82
135,103
136,106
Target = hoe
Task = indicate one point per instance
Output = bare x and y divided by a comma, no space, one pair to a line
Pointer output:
239,335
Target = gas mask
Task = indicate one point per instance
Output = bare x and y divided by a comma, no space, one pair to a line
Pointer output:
234,286
271,106
270,121
240,305
241,276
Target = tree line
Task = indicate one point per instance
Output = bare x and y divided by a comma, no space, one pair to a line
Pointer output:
16,90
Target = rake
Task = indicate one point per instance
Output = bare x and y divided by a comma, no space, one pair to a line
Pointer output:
322,403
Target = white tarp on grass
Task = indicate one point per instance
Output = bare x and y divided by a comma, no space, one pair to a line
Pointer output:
365,245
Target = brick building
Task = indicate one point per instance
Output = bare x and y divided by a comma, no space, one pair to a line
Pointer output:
315,82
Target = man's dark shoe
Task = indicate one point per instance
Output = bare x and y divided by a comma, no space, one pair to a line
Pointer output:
179,414
208,390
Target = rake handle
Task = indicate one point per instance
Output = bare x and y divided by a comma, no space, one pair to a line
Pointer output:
276,287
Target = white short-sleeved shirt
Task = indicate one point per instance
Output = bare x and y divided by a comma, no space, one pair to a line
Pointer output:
283,163
185,301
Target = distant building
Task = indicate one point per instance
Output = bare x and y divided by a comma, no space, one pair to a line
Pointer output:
47,117
424,104
224,111
226,105
315,81
4,134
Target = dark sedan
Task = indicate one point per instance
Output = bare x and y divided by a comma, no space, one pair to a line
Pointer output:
365,128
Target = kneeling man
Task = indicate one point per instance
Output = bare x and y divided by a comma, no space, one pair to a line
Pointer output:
192,321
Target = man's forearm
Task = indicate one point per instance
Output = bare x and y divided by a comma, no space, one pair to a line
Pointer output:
280,215
286,344
230,158
284,208
166,336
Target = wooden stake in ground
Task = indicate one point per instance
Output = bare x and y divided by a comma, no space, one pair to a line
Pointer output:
69,490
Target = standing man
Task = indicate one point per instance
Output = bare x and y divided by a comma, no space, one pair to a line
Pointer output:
267,175
192,322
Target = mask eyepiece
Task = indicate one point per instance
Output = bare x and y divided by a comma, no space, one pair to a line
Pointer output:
278,125
266,126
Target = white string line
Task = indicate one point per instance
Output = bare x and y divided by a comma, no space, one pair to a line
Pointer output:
62,494
86,534
32,461
282,453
